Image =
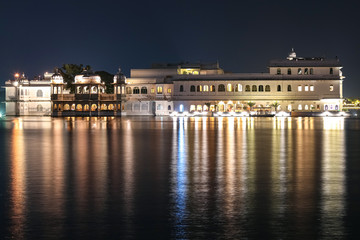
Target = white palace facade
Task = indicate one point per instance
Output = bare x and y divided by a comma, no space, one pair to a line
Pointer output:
295,84
28,97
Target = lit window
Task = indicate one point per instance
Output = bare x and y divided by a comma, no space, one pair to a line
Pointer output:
261,88
181,108
229,87
299,71
159,90
253,88
311,88
238,88
278,71
267,88
331,88
289,71
299,88
169,90
199,88
306,71
247,88
299,107
206,88
279,88
212,88
306,107
289,88
192,108
192,88
152,90
306,88
128,90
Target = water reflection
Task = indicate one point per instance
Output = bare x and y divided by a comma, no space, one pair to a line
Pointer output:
190,177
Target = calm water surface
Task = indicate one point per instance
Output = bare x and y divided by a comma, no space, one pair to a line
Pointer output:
179,178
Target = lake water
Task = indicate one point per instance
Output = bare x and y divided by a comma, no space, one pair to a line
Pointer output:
179,178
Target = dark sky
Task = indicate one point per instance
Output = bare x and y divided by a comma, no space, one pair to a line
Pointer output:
37,36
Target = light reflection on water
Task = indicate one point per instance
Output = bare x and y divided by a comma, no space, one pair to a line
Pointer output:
176,177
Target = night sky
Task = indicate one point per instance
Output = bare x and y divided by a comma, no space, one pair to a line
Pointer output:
243,36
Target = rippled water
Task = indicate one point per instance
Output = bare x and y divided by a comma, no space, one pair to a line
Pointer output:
156,178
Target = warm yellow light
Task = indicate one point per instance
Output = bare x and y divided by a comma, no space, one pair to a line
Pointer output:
16,75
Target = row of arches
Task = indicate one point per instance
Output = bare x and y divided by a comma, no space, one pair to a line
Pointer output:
87,90
86,107
300,71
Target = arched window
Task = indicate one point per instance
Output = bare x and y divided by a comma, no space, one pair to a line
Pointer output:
94,89
289,71
199,88
181,108
128,90
267,88
331,88
278,71
144,90
39,93
331,71
306,88
311,71
206,88
311,88
212,88
86,107
181,88
306,107
253,88
299,107
238,87
79,107
247,88
111,107
261,88
299,88
39,108
169,108
299,71
279,88
136,90
192,88
66,107
229,88
306,71
289,88
159,90
93,107
221,88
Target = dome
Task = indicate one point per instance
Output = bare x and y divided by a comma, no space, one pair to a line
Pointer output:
57,77
292,54
87,77
119,77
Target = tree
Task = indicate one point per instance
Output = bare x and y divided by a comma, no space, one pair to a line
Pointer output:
251,104
69,71
275,105
108,79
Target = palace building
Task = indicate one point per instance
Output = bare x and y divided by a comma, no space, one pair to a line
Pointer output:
28,97
294,84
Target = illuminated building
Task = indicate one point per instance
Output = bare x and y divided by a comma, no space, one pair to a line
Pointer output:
89,98
27,97
298,85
